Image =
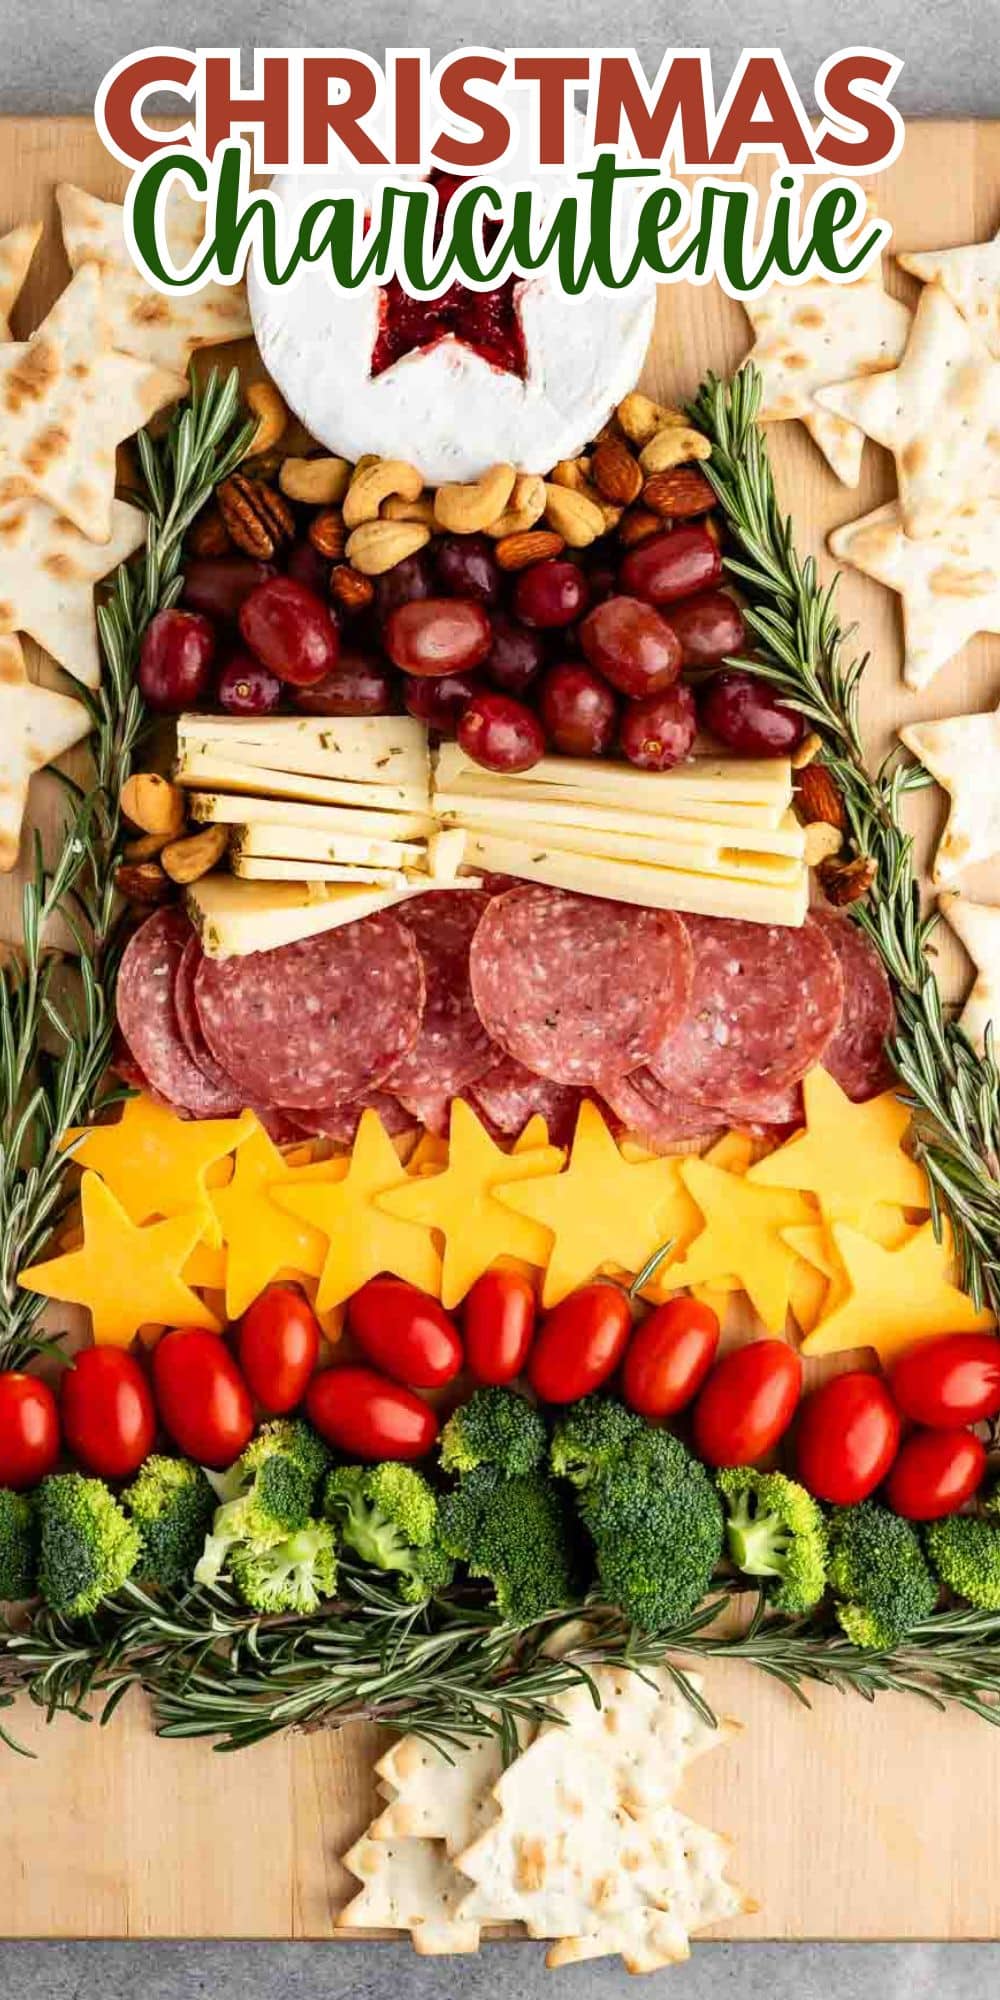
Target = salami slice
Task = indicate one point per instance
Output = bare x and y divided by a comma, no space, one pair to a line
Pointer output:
661,1122
856,1056
189,1022
453,1047
318,1022
339,1122
767,1003
573,986
509,1095
147,1017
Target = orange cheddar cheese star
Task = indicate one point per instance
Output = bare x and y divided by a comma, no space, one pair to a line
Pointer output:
741,1238
894,1298
127,1277
157,1164
602,1210
362,1237
262,1239
462,1203
850,1156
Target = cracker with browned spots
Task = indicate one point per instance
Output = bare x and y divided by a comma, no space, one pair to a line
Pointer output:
948,584
963,753
36,726
971,277
17,249
48,571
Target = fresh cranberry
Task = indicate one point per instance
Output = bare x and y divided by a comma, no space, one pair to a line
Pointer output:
516,656
290,628
175,663
501,734
246,687
578,710
657,732
550,594
467,567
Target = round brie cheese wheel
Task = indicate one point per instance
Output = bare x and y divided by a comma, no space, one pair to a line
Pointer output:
444,407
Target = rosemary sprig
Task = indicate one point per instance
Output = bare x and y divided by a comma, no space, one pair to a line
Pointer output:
801,646
55,1044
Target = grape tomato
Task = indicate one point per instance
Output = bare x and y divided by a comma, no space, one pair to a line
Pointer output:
405,1332
668,1358
498,1325
29,1430
935,1473
580,1343
954,1380
278,1347
848,1436
365,1415
747,1403
107,1410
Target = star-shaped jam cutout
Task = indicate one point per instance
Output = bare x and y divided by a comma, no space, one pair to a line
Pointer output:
487,322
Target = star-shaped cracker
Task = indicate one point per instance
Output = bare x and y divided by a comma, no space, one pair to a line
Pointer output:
938,413
17,249
896,1297
126,1277
809,336
977,925
963,753
47,575
143,322
66,402
949,583
36,726
971,277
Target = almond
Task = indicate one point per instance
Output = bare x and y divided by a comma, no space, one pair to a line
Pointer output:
327,534
679,494
637,525
534,545
188,860
351,590
817,797
845,882
143,882
208,534
615,473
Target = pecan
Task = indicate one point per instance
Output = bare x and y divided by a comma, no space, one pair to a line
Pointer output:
678,494
351,590
208,534
143,882
615,472
846,881
817,797
258,518
637,525
533,545
327,534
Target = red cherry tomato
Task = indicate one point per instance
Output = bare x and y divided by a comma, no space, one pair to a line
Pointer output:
201,1396
29,1430
278,1346
955,1380
936,1473
747,1403
368,1416
580,1343
108,1413
847,1439
668,1358
406,1333
498,1322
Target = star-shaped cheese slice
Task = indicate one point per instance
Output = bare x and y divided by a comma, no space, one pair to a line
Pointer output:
262,1239
142,322
977,926
809,336
741,1238
602,1210
66,403
814,1244
156,1163
36,726
17,249
971,277
895,1297
462,1202
850,1156
948,584
362,1237
938,413
47,575
126,1277
963,753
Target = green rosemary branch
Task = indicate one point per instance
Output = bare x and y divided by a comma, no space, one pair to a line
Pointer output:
801,646
55,1044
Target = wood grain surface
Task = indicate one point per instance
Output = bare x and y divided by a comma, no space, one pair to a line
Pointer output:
848,1821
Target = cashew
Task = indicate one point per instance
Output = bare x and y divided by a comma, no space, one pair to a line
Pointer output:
571,473
153,804
527,505
641,418
376,546
677,445
468,509
320,482
189,859
398,509
576,518
374,484
271,413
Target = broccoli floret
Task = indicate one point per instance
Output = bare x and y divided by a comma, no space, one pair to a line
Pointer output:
171,1503
18,1545
590,1435
267,1495
291,1438
516,1532
87,1544
388,1514
293,1575
775,1530
495,1427
878,1571
965,1554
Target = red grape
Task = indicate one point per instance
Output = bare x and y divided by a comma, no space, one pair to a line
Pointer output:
438,635
516,656
658,732
410,579
291,630
307,566
709,628
217,585
246,687
551,593
357,686
672,565
176,660
630,644
578,710
467,567
745,714
501,734
440,703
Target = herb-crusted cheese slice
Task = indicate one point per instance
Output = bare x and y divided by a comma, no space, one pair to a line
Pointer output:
268,868
207,769
242,809
374,750
297,843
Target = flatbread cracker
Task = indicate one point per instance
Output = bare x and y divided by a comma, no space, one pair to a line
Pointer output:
977,925
938,412
408,1885
696,1893
963,753
17,249
438,1797
949,584
971,277
36,727
66,402
160,330
47,575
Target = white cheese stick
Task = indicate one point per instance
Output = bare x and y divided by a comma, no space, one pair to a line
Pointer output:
761,782
241,809
631,882
591,824
743,863
446,853
373,749
297,843
269,868
233,918
207,771
311,760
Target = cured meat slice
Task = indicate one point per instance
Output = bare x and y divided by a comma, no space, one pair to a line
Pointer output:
339,1122
576,986
661,1121
147,1017
453,1047
189,1022
318,1022
509,1095
767,1002
856,1057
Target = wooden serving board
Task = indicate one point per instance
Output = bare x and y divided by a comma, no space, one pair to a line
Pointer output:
848,1822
